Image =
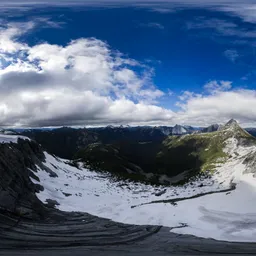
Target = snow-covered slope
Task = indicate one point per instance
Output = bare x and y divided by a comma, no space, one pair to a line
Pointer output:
212,207
221,206
4,138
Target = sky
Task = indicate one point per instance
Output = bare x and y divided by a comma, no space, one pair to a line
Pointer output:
101,62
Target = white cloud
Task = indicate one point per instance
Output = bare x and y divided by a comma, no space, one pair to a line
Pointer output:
231,54
219,107
9,34
214,86
186,95
84,82
217,104
245,10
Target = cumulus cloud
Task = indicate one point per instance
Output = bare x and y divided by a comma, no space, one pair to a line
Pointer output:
214,86
84,82
219,107
8,33
217,103
87,83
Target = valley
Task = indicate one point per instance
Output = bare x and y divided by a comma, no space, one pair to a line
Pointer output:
145,154
105,190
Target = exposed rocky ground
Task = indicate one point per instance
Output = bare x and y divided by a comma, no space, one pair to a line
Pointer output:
82,234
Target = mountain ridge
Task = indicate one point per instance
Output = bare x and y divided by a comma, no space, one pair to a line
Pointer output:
209,147
176,156
51,182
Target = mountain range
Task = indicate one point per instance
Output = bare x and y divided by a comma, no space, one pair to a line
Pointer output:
129,175
151,154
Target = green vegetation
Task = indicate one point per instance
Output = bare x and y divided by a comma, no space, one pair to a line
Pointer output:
101,157
146,155
184,156
195,152
201,152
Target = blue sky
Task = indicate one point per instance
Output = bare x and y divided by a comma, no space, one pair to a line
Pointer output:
183,57
181,62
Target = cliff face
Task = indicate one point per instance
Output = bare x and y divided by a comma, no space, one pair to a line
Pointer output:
17,193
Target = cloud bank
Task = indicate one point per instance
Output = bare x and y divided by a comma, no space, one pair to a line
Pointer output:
84,82
218,103
87,83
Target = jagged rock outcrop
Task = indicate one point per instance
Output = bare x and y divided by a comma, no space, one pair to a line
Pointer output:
179,130
63,142
17,192
211,128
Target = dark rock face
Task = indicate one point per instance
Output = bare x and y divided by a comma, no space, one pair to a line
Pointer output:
179,130
80,234
17,193
113,135
211,128
69,229
63,142
66,142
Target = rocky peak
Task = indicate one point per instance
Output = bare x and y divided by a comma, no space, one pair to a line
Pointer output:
178,130
233,129
211,128
232,122
19,161
110,127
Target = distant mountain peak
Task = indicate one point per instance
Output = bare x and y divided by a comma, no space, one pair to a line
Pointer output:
231,122
211,128
110,127
233,129
124,126
179,130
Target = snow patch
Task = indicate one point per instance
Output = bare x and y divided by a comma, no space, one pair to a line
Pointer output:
11,138
229,216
